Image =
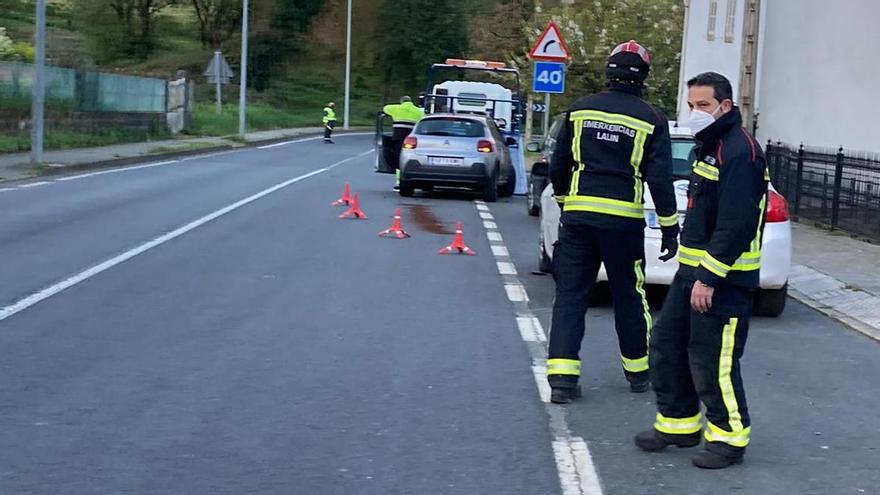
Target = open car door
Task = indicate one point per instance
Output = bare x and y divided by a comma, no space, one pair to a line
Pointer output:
384,146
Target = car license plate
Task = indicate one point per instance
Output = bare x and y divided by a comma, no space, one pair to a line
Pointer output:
445,161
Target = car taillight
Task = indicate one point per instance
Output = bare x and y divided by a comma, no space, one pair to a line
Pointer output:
777,208
410,143
484,146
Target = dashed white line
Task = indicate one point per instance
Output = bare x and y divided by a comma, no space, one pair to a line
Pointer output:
485,215
48,292
540,374
530,328
506,268
490,225
577,474
494,236
499,251
516,292
482,207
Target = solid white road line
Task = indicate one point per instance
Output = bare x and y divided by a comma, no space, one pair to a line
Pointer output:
48,292
285,143
116,170
4,189
33,184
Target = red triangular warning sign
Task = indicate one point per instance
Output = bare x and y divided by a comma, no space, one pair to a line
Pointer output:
550,45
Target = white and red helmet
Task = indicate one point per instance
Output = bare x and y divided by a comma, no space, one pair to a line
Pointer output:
629,62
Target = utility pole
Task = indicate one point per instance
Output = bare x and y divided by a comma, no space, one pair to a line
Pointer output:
242,91
38,98
347,69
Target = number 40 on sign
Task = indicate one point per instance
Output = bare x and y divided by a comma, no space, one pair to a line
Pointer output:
549,77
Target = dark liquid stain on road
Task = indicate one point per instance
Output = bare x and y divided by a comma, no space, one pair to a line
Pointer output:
426,220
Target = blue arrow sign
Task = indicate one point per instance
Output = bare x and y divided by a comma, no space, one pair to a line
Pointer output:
549,77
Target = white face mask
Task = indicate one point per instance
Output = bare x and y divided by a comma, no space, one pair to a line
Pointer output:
700,120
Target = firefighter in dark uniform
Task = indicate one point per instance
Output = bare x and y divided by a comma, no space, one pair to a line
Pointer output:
405,116
611,143
329,122
701,333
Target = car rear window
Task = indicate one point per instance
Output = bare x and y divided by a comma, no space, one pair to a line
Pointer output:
683,157
451,126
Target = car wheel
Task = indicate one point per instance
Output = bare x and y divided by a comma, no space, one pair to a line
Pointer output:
533,200
406,189
509,188
771,302
545,264
490,192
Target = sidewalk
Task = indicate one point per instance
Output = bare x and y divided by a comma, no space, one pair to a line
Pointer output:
838,276
17,166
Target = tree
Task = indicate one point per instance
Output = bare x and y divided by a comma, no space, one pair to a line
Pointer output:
413,34
119,28
136,17
218,20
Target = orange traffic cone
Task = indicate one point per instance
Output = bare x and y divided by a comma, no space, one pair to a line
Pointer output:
458,246
345,200
355,210
396,229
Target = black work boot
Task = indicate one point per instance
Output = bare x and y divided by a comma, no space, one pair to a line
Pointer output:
564,395
718,455
655,441
639,383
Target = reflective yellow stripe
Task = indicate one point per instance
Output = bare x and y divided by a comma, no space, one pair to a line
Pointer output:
725,367
748,261
575,180
607,206
766,174
713,265
635,160
612,118
703,169
737,439
635,365
756,242
678,426
640,288
668,221
563,367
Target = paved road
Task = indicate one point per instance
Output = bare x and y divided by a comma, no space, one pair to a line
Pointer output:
272,348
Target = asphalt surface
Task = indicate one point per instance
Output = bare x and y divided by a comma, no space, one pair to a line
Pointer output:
278,349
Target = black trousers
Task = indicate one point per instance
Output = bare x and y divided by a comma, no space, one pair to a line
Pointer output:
576,259
695,357
328,129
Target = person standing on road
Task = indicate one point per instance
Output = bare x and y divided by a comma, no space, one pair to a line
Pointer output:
405,115
611,143
702,330
329,122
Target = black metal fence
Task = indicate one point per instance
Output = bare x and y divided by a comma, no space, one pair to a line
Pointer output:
836,188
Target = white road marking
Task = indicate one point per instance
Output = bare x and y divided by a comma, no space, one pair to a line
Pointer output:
516,292
116,170
540,374
48,292
485,215
285,143
500,250
482,207
574,464
33,184
4,189
506,268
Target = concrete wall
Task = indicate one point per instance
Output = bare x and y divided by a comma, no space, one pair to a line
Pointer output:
700,54
820,73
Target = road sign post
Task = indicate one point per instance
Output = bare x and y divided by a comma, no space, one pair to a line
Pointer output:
550,54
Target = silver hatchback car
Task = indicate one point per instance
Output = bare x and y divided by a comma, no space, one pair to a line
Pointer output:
454,150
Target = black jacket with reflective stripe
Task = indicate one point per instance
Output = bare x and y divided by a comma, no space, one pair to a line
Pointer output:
727,199
610,145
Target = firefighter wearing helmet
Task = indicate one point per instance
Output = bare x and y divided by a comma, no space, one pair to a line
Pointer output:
612,143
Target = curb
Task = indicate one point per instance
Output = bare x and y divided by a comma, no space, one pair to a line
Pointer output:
854,324
129,160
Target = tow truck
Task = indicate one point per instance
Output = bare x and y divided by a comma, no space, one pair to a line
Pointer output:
476,87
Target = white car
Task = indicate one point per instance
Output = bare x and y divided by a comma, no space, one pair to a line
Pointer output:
775,252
